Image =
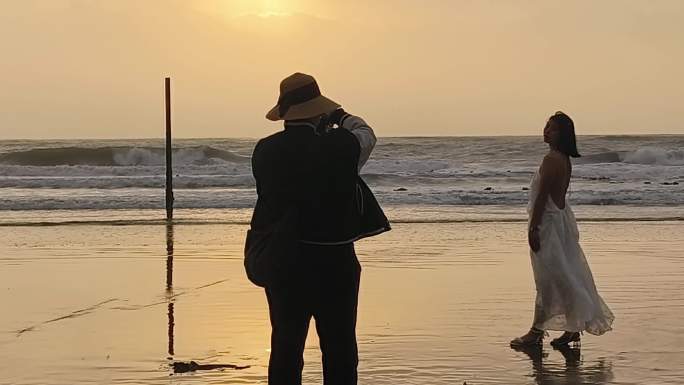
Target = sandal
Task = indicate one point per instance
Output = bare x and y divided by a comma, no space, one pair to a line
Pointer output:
532,338
566,338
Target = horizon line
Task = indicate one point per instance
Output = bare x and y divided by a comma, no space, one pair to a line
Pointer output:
388,137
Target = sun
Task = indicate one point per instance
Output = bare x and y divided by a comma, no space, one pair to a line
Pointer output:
270,8
261,8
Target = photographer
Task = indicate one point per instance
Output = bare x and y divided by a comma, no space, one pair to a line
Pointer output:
311,169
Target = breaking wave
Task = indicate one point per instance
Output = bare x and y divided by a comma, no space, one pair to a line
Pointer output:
118,156
656,156
645,155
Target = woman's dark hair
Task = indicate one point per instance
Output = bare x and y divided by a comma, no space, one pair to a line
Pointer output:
567,143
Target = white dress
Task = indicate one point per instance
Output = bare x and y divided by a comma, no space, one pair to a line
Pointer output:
567,299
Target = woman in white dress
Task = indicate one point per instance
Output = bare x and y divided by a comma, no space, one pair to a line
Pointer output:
567,299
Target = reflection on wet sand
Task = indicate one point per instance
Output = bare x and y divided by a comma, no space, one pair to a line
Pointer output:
178,366
169,284
573,372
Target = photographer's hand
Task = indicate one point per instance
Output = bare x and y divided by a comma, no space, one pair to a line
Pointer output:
336,116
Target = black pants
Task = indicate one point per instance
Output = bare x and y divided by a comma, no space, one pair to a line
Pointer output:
326,288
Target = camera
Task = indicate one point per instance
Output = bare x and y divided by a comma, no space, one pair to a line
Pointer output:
328,122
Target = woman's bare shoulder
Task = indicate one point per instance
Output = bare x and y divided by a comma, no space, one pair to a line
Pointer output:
554,159
553,165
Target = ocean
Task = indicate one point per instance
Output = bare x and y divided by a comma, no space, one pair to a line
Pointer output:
416,179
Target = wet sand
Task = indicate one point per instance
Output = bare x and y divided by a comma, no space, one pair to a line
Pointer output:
103,304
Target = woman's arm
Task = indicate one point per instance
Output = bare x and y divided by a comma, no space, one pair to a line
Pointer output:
548,173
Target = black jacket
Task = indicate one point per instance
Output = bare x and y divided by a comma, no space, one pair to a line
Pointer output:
318,176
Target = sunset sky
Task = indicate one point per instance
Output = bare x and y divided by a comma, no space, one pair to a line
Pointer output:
95,68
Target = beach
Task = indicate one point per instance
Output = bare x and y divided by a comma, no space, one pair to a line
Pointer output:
89,303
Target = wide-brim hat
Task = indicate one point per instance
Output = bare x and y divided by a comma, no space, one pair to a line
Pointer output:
300,98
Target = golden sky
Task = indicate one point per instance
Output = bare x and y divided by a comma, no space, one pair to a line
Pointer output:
95,68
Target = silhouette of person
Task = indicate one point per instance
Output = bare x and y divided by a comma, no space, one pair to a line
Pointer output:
313,166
